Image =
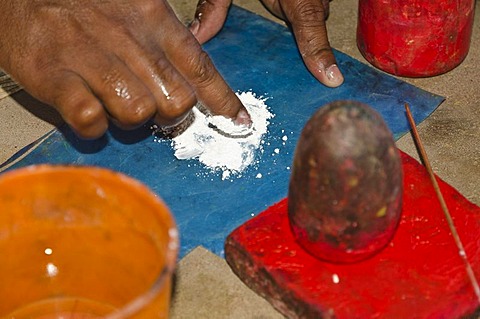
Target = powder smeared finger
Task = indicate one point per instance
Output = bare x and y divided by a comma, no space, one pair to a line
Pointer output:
197,68
218,152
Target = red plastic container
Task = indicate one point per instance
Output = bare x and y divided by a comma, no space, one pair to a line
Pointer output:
415,38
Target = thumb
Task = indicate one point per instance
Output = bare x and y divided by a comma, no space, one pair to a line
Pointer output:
307,19
209,18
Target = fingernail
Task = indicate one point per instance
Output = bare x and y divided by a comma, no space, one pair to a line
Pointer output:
194,26
334,76
243,118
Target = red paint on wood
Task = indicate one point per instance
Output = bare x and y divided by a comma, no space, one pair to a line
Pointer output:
418,275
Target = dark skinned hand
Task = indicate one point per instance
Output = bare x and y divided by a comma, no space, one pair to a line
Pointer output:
94,60
306,18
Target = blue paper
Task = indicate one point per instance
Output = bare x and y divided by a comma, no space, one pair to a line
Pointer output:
255,54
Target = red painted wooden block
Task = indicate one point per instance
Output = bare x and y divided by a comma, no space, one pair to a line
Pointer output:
418,275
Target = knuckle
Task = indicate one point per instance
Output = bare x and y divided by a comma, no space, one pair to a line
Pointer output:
149,5
310,31
54,20
318,52
137,112
176,95
163,71
180,102
84,116
308,13
80,111
87,121
149,8
203,69
48,10
42,64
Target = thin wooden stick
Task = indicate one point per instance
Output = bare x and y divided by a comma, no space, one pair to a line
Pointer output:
451,225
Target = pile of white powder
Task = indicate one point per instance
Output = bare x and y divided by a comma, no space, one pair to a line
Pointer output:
219,152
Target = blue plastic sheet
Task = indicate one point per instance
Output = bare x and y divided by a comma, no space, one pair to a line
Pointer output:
253,54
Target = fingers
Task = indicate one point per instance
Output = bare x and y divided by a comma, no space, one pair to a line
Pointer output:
173,95
197,68
307,18
209,18
152,85
211,89
106,87
126,99
123,62
177,71
80,109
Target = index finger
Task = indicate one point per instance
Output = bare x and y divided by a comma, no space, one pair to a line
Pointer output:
188,57
307,19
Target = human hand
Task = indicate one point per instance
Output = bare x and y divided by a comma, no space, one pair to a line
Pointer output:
128,61
306,18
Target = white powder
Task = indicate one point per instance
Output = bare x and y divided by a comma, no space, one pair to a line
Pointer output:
220,153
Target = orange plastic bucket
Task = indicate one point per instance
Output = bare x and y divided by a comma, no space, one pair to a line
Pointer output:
83,242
